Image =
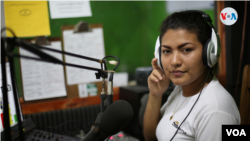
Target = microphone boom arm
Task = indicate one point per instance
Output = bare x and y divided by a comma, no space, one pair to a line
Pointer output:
11,43
48,58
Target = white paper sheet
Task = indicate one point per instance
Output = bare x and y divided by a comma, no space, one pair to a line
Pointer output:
88,44
40,79
12,109
69,9
83,91
120,79
175,6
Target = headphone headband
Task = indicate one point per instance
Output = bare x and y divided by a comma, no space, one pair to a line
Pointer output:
205,16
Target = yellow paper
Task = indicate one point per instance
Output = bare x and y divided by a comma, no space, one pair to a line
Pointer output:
27,18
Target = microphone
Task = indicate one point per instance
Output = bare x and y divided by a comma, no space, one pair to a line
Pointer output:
111,121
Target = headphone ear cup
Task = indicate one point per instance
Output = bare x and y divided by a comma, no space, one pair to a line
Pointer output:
159,59
204,53
158,52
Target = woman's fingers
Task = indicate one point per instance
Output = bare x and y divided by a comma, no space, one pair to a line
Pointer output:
157,71
157,80
153,78
154,64
157,74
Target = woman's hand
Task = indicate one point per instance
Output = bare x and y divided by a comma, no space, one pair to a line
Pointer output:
158,82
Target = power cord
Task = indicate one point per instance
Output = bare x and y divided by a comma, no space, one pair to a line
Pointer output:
11,31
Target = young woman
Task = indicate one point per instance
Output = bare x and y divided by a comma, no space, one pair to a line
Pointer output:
182,37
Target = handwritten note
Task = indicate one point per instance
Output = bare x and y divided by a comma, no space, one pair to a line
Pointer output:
69,9
27,18
87,44
40,79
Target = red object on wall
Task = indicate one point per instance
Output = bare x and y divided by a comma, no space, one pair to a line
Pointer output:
2,119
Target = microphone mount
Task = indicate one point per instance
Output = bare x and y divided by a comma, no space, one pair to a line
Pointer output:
7,47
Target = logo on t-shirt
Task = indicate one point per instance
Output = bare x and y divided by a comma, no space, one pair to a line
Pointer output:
175,124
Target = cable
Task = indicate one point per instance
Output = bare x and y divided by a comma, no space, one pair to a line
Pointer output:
118,62
113,57
6,28
192,106
108,138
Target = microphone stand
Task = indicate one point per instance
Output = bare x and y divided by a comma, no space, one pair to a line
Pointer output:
7,51
5,97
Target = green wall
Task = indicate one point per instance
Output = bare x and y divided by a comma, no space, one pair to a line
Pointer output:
130,30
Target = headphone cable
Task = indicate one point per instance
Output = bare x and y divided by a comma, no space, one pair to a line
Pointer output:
192,106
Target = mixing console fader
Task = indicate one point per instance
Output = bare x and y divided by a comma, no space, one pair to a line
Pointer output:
38,135
32,134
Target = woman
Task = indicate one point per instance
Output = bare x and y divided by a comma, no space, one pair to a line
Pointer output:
182,37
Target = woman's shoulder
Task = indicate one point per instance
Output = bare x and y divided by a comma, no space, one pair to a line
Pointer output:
216,92
217,99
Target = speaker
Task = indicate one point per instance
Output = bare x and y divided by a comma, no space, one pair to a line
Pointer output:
141,75
133,94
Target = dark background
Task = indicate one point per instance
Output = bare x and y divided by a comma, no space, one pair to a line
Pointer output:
233,48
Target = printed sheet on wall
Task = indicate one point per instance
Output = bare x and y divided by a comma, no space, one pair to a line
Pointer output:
88,44
42,80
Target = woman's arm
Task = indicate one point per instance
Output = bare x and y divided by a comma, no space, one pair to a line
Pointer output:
157,84
152,117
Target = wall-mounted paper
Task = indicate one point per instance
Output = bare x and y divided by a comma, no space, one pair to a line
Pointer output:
120,79
92,89
86,90
88,44
69,9
40,79
175,6
27,18
82,90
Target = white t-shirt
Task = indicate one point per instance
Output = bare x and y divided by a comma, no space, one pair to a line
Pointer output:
215,108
